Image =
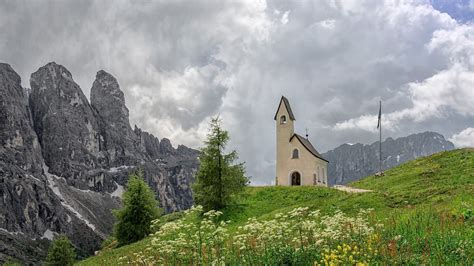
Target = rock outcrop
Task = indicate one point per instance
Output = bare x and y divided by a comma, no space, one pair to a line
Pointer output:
350,162
66,125
18,143
120,142
64,162
24,201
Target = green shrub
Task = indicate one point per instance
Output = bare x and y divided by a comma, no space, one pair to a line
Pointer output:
109,243
11,262
61,252
139,210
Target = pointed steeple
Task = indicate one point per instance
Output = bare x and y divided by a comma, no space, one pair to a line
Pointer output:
285,101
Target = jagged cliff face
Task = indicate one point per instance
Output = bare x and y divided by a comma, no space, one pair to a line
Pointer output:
18,142
121,143
66,125
352,162
64,162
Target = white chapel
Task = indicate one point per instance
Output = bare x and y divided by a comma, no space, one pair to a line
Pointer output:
298,163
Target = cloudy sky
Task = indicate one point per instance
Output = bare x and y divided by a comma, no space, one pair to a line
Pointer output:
181,62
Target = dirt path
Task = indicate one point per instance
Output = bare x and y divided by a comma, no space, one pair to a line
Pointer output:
351,189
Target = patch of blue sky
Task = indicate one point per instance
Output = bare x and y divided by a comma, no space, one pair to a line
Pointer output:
461,10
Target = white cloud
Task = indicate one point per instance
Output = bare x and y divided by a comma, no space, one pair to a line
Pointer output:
327,23
464,138
366,122
284,19
447,91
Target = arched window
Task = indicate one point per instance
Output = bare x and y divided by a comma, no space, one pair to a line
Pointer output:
314,179
283,119
324,176
295,154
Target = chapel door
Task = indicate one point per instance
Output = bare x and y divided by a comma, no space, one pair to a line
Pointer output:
296,179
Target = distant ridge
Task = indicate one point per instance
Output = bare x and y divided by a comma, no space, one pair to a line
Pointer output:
350,162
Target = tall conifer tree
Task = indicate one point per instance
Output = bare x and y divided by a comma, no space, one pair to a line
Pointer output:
139,210
61,252
218,177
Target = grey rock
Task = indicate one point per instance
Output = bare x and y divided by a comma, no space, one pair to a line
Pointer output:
352,162
137,149
121,143
166,147
148,143
66,125
29,208
64,162
109,101
18,143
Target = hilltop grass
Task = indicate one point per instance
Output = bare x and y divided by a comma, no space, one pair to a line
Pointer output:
443,181
264,202
425,207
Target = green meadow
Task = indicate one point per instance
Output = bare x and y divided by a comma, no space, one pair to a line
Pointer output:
420,212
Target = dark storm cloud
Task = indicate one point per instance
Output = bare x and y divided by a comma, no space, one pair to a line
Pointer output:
180,62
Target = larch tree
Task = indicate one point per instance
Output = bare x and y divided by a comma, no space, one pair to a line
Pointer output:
218,178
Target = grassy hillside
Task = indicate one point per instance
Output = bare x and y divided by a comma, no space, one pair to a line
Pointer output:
422,213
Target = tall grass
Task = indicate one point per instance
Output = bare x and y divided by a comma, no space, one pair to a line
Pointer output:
428,237
306,237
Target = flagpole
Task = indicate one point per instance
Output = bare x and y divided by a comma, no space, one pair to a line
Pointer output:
380,151
379,126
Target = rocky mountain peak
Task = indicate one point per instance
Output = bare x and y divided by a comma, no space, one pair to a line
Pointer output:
64,162
65,123
18,142
7,72
50,73
109,101
110,84
166,147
